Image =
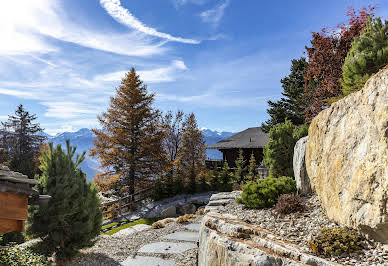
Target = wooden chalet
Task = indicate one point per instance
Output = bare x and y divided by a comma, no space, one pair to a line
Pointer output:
15,196
251,140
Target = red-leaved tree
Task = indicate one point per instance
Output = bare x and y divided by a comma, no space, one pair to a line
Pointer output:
325,59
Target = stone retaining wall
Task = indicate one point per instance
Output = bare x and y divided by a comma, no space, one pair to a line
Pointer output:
226,240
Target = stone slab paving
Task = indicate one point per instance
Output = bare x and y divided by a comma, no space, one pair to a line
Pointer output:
193,227
141,227
166,247
147,261
125,232
183,236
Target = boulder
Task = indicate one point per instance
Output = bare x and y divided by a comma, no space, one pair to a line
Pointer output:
168,212
347,158
299,165
186,208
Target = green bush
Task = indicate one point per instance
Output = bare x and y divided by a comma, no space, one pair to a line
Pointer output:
12,238
289,203
336,241
265,192
279,151
21,256
368,54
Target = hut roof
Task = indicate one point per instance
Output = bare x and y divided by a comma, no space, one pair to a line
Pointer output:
250,138
15,177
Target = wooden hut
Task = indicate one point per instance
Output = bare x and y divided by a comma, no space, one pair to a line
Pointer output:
251,140
15,195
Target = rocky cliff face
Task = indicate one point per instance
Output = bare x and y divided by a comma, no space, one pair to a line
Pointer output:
347,158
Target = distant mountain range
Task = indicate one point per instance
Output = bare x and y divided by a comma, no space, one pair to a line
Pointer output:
83,140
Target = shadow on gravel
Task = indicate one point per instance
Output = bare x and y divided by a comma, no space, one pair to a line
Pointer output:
93,259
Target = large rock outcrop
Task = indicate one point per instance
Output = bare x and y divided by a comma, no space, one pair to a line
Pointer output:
299,165
347,158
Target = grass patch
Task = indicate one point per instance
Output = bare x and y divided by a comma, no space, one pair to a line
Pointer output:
148,221
107,226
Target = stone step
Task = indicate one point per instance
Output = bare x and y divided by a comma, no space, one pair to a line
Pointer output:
147,261
166,248
183,236
193,227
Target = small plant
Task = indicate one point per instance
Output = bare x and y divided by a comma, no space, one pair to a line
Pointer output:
157,225
336,241
200,211
21,256
265,192
185,218
289,203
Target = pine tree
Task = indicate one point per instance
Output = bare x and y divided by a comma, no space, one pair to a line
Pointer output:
192,157
72,219
225,178
279,151
214,181
130,143
21,141
292,106
252,168
241,168
368,54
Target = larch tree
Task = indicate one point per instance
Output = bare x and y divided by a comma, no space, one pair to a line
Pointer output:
21,141
292,106
130,143
192,157
325,59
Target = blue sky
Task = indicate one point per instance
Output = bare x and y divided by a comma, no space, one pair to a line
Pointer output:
221,59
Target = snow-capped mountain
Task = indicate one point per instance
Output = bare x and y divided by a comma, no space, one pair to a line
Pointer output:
83,140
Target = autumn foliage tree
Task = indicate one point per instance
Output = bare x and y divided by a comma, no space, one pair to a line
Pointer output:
325,59
130,143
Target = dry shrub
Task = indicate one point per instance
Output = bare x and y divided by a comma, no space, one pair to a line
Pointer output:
168,220
200,211
289,203
157,225
185,218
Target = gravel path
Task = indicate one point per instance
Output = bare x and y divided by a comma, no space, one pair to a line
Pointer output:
300,228
112,250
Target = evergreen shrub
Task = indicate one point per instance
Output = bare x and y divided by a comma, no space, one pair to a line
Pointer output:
72,218
289,203
279,151
265,192
368,54
336,241
12,238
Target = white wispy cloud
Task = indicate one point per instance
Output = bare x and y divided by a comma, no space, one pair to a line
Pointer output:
16,93
66,110
178,3
123,16
25,26
157,75
214,15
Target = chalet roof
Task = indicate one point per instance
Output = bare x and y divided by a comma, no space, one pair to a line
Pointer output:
250,138
15,177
